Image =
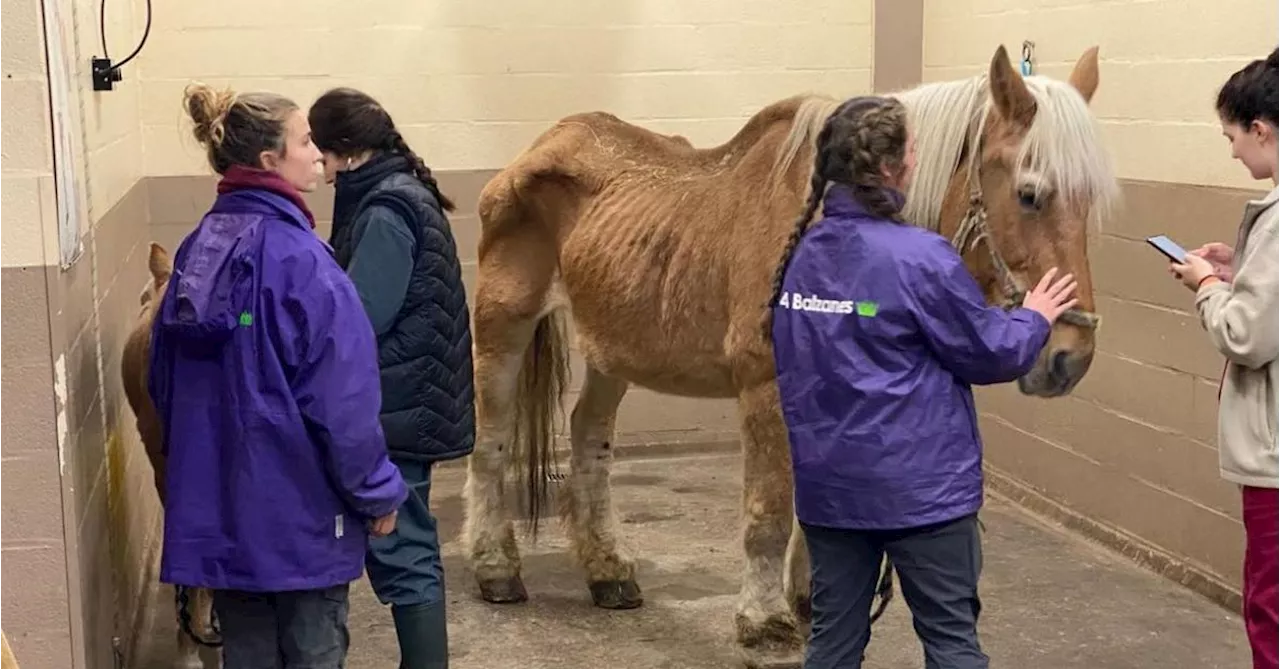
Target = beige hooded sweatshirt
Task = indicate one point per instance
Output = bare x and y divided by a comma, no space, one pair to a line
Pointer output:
1243,322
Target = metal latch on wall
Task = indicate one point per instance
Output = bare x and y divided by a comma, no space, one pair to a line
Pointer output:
1028,56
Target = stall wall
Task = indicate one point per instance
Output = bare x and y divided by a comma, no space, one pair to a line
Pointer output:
34,548
472,82
80,517
1134,449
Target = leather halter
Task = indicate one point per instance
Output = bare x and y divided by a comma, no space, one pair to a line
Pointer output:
973,229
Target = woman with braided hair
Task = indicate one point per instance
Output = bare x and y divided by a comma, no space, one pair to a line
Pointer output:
392,236
878,331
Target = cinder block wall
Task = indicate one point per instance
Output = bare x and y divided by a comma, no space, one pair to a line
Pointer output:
471,84
80,514
34,549
1134,450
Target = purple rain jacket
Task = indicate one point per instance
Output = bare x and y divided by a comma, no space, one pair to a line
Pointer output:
265,378
877,335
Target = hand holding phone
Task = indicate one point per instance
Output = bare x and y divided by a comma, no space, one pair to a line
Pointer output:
1220,256
1169,248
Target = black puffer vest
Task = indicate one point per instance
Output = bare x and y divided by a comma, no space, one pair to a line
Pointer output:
428,397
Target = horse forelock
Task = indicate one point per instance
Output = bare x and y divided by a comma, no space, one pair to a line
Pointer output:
1064,145
1062,149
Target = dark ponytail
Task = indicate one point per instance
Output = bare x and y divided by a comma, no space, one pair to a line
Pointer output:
863,136
420,170
1250,93
348,123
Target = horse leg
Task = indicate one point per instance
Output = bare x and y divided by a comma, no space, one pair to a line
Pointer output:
202,618
585,502
188,652
199,616
766,627
509,308
796,577
495,557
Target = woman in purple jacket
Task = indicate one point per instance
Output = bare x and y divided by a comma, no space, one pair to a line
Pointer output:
876,396
264,376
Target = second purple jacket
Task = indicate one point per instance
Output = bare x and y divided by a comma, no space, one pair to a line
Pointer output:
877,336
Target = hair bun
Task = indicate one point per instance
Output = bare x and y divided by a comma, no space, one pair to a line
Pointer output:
1273,61
208,110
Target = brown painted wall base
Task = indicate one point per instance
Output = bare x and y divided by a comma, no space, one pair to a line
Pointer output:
1172,567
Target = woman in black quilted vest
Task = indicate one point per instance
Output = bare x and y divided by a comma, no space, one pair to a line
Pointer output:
391,234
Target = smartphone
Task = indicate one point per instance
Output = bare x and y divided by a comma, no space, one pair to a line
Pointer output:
1169,248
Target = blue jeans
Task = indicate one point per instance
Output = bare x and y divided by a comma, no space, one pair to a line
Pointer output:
404,567
938,566
302,629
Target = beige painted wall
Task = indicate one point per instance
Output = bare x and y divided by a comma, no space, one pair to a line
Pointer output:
33,551
1161,61
1132,452
80,522
26,176
112,126
471,83
120,549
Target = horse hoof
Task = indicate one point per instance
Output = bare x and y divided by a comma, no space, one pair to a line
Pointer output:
777,634
509,590
803,608
616,594
772,659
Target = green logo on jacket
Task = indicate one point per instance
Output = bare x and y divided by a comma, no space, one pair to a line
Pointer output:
867,309
246,319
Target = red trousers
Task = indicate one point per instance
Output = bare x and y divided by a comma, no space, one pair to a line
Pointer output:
1261,521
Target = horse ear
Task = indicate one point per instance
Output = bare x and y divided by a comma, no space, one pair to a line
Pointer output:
1085,75
159,264
1010,93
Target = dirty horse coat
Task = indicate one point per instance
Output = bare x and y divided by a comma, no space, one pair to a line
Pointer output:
264,377
878,333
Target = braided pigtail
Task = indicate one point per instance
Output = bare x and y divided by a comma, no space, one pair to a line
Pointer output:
817,188
818,185
420,170
861,147
877,149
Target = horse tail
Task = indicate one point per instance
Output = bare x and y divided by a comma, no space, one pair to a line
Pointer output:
509,219
540,388
884,590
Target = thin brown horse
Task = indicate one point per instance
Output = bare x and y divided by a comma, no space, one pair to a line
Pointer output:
663,256
196,615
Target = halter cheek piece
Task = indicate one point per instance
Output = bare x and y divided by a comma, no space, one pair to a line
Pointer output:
973,229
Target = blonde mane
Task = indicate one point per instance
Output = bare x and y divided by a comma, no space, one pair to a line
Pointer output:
1062,149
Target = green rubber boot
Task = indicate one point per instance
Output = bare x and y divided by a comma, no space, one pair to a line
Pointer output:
423,635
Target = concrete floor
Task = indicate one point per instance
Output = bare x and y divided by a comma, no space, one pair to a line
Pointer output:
1051,600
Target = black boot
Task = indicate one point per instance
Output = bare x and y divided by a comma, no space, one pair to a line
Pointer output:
423,636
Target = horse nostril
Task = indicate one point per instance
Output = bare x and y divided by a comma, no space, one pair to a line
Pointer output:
1058,366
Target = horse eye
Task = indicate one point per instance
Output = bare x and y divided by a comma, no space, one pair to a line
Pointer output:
1027,199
